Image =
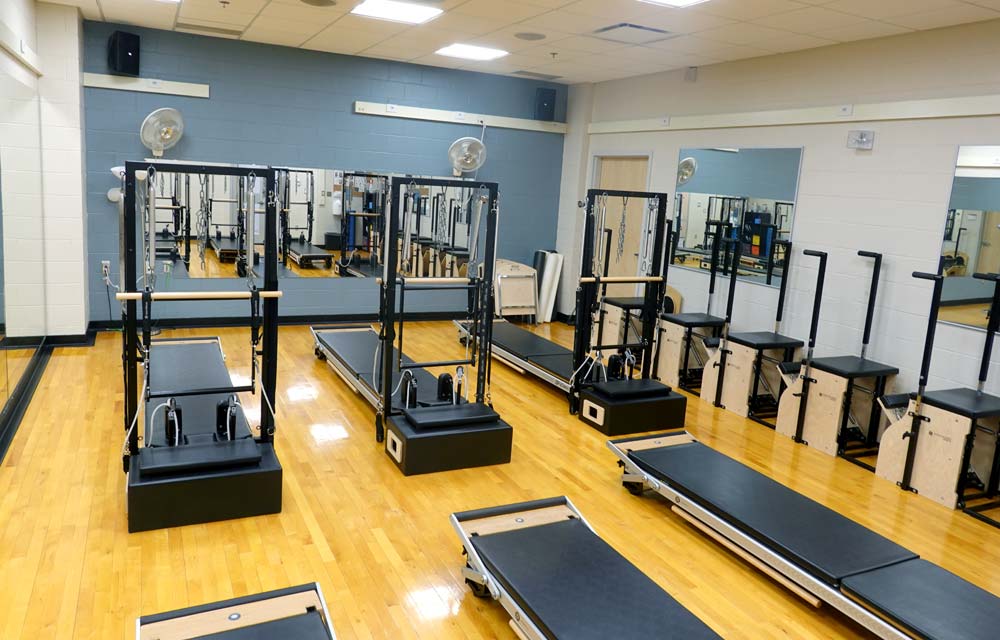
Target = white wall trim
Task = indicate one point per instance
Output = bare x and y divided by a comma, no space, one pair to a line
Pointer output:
962,107
145,85
456,117
17,47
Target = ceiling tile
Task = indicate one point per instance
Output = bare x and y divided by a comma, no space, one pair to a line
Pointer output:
796,42
567,22
467,24
343,40
945,17
613,10
506,39
383,28
683,21
149,13
861,31
745,11
881,9
273,36
508,11
809,20
589,44
742,33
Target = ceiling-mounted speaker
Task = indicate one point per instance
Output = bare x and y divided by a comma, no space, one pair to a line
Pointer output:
545,104
123,53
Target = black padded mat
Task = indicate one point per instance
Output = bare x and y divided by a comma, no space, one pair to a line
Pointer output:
356,351
176,366
304,249
854,367
574,586
158,461
450,415
631,389
560,365
965,402
694,320
306,626
820,540
630,304
224,244
523,343
765,340
929,601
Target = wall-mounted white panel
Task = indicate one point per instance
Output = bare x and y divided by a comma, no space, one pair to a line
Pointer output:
145,85
456,117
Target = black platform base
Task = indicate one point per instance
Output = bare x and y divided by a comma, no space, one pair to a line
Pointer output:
158,501
618,417
417,451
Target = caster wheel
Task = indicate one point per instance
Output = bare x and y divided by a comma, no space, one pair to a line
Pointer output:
635,488
478,590
379,429
462,340
319,354
241,269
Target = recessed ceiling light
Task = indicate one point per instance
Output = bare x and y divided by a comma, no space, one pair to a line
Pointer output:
396,11
471,52
530,36
674,3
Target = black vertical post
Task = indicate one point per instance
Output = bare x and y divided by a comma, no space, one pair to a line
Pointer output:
130,344
714,264
786,270
872,293
269,355
654,290
486,287
585,295
800,424
991,327
388,294
724,343
187,220
925,365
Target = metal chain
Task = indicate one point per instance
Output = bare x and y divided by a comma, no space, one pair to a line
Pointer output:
621,232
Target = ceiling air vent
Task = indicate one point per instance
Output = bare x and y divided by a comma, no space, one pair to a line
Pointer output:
536,75
628,33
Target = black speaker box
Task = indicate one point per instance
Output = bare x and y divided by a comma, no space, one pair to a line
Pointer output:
545,104
123,53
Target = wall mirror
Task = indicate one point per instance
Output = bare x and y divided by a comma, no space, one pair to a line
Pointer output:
746,193
971,242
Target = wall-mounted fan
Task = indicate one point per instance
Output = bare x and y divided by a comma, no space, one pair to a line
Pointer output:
161,130
466,154
686,170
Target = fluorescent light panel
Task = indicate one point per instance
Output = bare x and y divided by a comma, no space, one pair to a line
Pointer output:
679,4
471,52
396,11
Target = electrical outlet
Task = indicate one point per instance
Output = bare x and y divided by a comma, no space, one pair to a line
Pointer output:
106,268
167,265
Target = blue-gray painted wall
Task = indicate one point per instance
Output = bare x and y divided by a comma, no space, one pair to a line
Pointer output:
282,106
978,194
772,174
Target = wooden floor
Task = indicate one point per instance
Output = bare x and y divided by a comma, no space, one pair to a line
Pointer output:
214,268
380,544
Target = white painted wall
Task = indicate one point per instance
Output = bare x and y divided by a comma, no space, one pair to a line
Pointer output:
60,46
892,199
41,156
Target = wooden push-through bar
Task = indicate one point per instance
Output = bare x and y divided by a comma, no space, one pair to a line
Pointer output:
620,279
197,295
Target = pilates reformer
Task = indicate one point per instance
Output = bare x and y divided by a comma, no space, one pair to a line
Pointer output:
944,444
831,403
680,352
299,248
547,567
236,246
199,459
295,612
735,378
363,224
606,395
817,554
426,421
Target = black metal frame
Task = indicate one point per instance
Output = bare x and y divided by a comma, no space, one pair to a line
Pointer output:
378,225
589,294
806,371
266,321
284,214
480,289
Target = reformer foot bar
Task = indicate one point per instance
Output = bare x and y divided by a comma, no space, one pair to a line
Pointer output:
296,612
817,553
557,578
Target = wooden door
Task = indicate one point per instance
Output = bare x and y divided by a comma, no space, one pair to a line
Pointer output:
989,252
624,174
